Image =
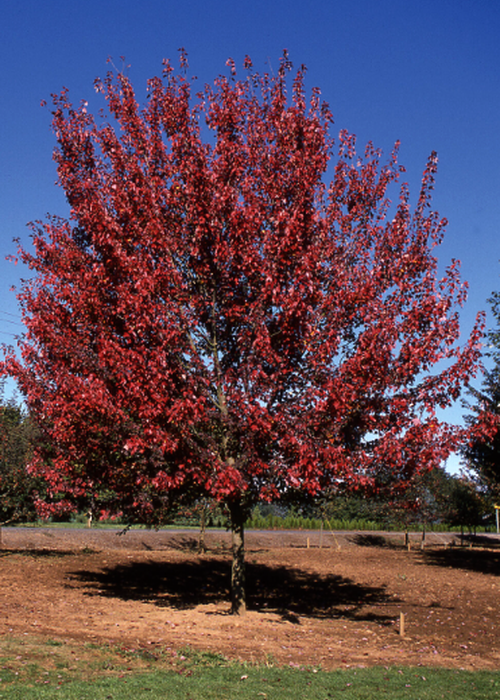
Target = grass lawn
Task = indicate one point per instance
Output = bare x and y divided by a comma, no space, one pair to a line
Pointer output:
32,669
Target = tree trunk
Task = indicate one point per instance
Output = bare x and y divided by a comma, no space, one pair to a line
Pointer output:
203,526
238,597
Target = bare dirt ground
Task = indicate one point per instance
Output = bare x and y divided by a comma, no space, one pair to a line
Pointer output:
337,605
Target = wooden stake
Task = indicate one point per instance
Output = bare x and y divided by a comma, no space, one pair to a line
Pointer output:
401,624
308,543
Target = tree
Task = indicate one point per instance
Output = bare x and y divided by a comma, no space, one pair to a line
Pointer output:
215,319
466,505
17,486
482,452
430,497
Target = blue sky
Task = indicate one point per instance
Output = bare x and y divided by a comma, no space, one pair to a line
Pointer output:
426,72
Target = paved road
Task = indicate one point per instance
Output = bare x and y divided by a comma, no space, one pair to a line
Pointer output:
105,538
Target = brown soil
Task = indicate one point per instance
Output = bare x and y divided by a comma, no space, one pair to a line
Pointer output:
334,606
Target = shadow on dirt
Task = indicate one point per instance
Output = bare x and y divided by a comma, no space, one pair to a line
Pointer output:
290,593
489,541
484,561
369,540
40,553
189,543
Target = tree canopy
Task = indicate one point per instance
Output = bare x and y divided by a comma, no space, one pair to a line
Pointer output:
232,308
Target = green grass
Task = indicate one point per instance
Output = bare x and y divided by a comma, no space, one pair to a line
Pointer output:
240,683
33,670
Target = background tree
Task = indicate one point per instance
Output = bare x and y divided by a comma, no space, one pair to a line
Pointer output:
214,318
466,505
482,452
435,497
414,502
18,489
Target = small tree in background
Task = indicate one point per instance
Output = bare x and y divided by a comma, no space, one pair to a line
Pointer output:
18,488
466,505
216,318
436,497
482,452
418,502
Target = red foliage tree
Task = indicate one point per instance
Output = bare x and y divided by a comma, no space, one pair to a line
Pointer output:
214,318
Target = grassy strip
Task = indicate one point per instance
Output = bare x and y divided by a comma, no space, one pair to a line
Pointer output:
239,683
40,670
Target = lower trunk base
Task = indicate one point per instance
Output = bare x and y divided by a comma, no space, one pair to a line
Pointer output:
238,596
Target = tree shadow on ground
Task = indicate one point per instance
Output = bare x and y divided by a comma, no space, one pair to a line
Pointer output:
291,593
40,553
182,543
489,541
369,540
483,561
189,543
